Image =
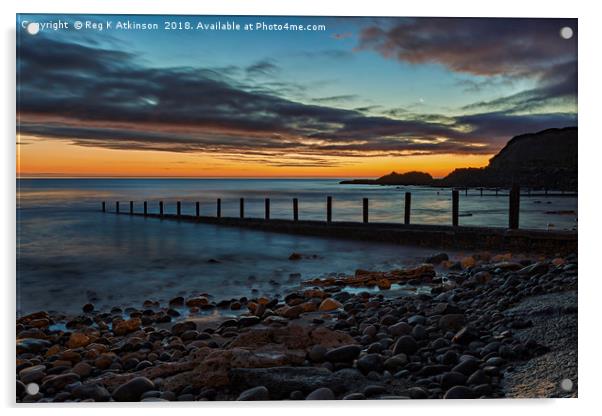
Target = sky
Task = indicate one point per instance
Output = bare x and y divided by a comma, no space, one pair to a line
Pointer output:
354,97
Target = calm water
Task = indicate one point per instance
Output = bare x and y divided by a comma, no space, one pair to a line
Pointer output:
69,253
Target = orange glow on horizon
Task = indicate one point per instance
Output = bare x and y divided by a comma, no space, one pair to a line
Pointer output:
38,157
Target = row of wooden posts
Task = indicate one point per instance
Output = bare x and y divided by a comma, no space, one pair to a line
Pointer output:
513,211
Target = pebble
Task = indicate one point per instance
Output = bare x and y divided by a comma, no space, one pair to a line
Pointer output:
254,394
405,344
133,390
343,354
323,393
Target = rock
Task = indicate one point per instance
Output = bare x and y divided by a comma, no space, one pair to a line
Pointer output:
451,379
459,392
32,374
91,391
370,362
405,344
32,345
88,308
60,381
467,367
78,339
197,302
323,393
465,336
373,390
329,304
396,362
478,377
282,381
317,353
254,394
295,256
418,393
437,258
133,390
400,328
452,322
355,396
83,369
468,262
126,326
343,354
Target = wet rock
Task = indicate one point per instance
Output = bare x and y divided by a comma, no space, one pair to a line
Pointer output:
452,322
355,396
370,362
343,354
467,367
451,379
126,326
401,328
133,390
437,258
459,392
60,381
323,393
78,339
254,394
405,344
91,391
317,353
32,374
329,304
32,345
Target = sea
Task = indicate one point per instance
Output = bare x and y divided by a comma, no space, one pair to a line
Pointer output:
69,253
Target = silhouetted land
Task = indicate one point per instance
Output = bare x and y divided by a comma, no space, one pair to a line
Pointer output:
543,160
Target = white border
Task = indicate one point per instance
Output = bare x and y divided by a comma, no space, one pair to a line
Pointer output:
590,203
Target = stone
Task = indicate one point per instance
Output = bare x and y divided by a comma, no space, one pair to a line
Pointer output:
405,344
451,379
60,381
355,396
459,392
373,390
197,302
478,377
126,326
77,340
254,394
467,367
32,345
323,393
32,374
330,304
282,381
396,362
370,362
401,328
343,354
133,390
468,262
437,258
317,353
452,322
92,391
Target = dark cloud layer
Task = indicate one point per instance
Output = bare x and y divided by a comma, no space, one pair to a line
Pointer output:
106,98
503,49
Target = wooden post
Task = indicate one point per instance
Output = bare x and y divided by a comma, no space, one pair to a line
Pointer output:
117,207
267,208
466,191
328,209
365,210
481,191
198,209
145,208
496,191
179,208
242,207
161,208
514,208
219,208
104,206
131,207
406,216
455,207
295,209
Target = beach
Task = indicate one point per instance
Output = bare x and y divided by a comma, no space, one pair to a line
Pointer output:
463,338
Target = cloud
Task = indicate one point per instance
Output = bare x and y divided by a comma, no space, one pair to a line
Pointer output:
103,98
476,46
336,98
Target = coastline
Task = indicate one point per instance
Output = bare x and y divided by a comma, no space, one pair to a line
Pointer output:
466,339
